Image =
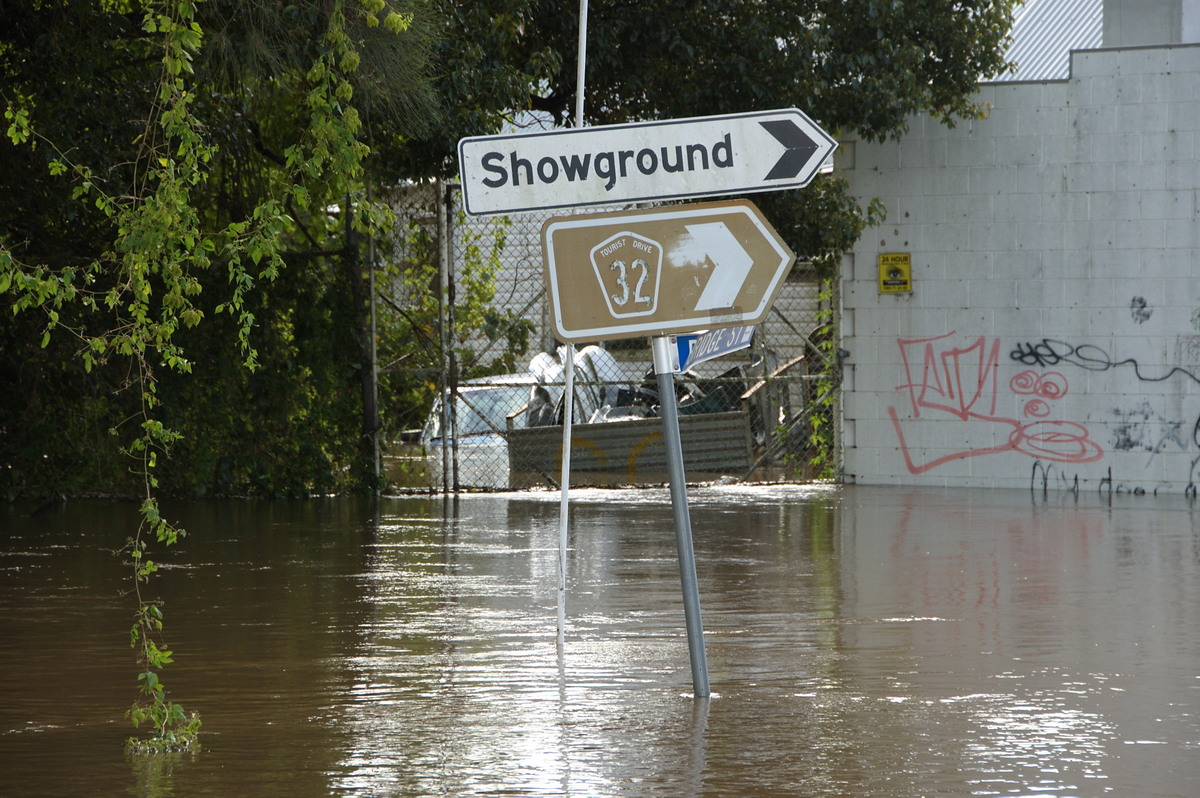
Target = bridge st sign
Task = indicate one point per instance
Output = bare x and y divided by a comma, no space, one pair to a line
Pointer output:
716,343
662,271
669,159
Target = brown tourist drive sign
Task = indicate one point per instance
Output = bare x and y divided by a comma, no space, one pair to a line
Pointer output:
662,271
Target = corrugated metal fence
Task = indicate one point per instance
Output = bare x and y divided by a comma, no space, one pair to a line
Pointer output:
471,378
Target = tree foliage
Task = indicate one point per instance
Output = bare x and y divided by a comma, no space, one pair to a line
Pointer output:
160,173
852,65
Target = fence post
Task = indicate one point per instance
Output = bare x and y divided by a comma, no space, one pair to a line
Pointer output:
371,399
445,311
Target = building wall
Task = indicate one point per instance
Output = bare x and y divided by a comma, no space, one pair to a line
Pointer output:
1128,23
1052,334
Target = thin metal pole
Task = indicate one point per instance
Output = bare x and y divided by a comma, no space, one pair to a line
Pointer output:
376,464
580,63
679,506
443,235
565,476
569,371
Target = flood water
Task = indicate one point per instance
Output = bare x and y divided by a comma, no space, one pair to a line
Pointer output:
861,642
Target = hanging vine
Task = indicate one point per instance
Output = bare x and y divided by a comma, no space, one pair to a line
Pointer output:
143,291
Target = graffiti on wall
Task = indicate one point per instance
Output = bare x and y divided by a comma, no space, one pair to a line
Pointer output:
1134,428
961,386
1049,352
957,380
1143,429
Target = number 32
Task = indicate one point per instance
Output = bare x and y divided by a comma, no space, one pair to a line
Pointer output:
623,282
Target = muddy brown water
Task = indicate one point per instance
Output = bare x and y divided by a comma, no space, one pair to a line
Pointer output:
861,642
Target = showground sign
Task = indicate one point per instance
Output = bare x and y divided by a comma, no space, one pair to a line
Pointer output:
665,160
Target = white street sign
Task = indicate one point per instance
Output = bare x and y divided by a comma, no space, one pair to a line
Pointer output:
670,159
661,271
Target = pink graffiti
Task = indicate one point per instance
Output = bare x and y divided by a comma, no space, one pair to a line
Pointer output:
1037,408
1045,387
962,383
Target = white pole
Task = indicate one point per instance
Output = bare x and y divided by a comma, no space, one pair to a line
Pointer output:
565,481
579,64
569,375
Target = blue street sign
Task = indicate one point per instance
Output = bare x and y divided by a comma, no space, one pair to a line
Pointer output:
717,343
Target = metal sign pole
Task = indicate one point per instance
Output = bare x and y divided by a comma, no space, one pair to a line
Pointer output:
581,62
444,339
663,368
565,477
569,376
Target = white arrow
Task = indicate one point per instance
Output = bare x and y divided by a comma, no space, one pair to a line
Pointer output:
731,264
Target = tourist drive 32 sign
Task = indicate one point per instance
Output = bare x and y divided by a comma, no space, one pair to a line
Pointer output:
670,159
662,271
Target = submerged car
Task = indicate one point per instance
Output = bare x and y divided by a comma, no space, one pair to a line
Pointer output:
506,431
465,440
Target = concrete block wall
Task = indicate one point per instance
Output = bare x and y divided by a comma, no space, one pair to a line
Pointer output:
1052,335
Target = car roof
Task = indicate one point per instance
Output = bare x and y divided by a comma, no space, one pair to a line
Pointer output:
499,379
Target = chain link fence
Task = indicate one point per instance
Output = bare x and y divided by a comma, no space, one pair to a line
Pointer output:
472,380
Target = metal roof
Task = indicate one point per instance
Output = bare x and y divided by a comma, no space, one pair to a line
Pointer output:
1046,31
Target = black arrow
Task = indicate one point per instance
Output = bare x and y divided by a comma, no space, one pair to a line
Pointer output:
799,148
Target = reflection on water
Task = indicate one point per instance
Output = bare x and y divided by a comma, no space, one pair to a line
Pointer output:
865,642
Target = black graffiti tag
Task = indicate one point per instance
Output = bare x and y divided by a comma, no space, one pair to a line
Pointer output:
1050,352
